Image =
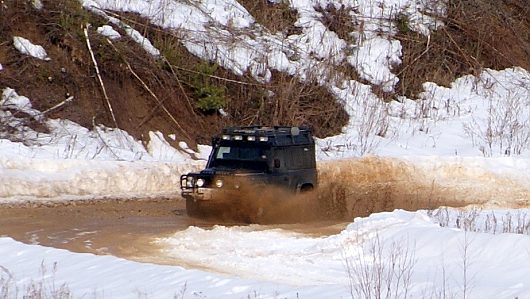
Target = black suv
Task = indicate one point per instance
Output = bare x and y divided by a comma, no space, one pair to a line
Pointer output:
244,160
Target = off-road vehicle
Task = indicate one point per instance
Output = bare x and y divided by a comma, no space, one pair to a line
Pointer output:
247,163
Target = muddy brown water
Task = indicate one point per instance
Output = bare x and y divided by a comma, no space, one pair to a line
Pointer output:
122,228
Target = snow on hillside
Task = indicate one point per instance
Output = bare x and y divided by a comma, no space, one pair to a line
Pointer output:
485,116
478,128
374,55
27,47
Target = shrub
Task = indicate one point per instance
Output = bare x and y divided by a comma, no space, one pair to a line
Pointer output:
402,22
210,97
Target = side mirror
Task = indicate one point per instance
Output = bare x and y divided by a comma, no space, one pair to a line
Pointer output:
277,163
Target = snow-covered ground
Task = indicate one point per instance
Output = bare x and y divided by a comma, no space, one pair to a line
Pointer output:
441,254
474,134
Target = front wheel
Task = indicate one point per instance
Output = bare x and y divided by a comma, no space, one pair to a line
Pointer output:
193,209
306,189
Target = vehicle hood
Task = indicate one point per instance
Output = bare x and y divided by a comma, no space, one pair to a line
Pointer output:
228,171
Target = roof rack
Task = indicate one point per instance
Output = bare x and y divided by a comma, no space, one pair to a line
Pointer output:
276,135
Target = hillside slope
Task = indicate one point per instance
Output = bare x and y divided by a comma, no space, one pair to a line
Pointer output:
180,93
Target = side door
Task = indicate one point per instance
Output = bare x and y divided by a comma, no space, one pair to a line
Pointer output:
281,163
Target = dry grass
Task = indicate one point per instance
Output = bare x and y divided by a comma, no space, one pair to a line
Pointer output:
477,34
44,287
474,220
380,270
277,17
339,20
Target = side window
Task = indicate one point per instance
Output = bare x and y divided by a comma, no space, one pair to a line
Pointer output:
299,157
296,157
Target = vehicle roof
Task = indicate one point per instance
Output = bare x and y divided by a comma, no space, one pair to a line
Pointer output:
277,135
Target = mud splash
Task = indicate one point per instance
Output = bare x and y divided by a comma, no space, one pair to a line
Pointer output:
360,187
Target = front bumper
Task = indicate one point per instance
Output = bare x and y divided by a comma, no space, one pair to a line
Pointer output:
190,190
203,193
229,190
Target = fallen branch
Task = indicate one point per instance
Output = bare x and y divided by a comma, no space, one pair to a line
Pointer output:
103,139
85,30
68,100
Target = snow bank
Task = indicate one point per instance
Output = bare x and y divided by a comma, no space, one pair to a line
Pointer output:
272,263
88,275
279,256
85,179
73,162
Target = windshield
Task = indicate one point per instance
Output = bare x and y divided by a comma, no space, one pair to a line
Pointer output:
240,153
247,157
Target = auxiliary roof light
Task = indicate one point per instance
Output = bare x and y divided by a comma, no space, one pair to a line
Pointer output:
251,138
226,137
238,137
263,138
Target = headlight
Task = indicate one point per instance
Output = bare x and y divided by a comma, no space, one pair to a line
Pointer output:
200,183
189,182
219,183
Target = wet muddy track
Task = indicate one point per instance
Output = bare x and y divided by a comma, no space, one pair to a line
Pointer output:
122,228
348,189
116,227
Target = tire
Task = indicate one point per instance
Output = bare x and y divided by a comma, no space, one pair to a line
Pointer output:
207,209
306,188
193,208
